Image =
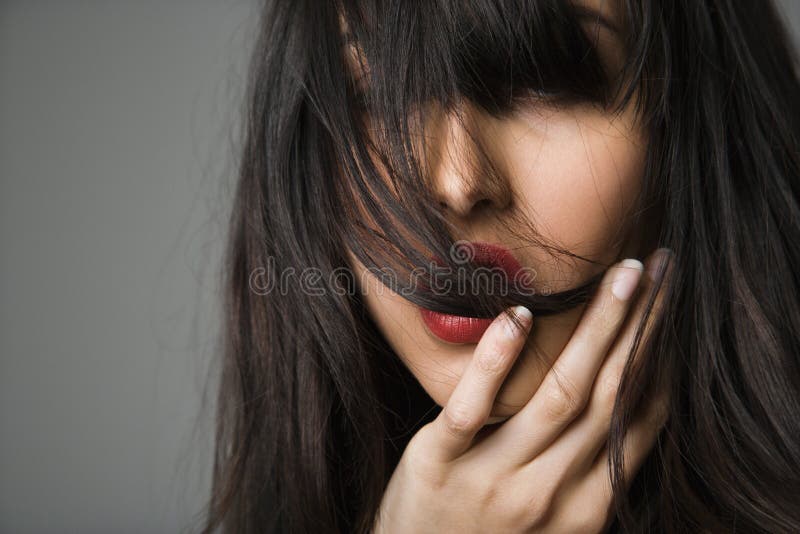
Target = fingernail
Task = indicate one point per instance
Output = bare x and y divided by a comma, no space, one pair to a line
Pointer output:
659,257
626,278
525,318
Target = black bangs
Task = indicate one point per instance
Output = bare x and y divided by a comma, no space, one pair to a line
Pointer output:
521,50
495,54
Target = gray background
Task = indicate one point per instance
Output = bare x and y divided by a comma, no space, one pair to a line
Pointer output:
117,121
117,138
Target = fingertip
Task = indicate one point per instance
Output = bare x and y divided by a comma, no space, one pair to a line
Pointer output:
632,263
626,278
523,314
518,321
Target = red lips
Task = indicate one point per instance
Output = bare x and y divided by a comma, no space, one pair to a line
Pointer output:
459,329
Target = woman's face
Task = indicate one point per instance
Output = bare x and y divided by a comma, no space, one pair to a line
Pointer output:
574,172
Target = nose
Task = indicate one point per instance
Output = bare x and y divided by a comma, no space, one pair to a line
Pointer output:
466,179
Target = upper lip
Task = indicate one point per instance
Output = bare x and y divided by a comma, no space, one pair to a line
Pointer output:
491,255
486,255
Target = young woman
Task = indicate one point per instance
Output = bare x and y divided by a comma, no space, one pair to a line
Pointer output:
436,314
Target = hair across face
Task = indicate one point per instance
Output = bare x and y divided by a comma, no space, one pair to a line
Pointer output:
572,133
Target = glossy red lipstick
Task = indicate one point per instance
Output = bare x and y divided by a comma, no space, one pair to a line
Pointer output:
460,329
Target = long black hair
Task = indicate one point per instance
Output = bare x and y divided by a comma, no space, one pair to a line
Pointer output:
315,408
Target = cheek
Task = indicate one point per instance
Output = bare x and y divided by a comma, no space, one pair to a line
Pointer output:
435,365
577,175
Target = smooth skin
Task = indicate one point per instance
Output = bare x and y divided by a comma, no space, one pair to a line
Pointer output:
545,469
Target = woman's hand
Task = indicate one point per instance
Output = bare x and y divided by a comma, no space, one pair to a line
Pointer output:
545,468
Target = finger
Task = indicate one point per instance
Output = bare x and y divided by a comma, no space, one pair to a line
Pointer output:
470,404
579,444
565,389
638,443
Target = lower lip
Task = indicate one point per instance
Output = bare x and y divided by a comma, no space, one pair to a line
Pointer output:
460,329
455,328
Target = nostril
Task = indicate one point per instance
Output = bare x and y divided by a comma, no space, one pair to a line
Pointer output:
466,207
482,204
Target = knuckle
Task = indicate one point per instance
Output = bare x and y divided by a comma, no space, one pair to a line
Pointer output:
491,364
420,441
458,420
537,510
562,400
489,491
415,456
609,385
596,310
418,464
417,449
606,314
